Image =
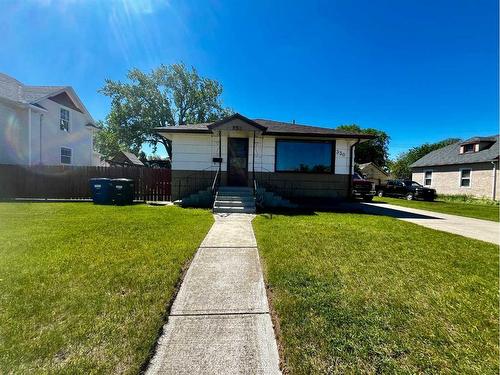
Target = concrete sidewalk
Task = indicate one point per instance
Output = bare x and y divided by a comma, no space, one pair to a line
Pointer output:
483,230
219,322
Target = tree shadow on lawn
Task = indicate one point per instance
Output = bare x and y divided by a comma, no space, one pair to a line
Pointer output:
349,207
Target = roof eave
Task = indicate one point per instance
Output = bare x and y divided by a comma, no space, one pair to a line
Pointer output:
175,129
239,117
365,137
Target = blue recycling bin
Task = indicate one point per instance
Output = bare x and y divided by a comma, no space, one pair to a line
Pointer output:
102,190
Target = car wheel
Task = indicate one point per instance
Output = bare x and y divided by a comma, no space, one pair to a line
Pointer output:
380,193
409,196
368,199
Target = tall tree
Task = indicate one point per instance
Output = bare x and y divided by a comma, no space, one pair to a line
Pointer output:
169,95
375,150
400,167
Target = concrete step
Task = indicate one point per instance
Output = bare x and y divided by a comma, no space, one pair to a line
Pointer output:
242,210
233,204
236,195
243,198
235,188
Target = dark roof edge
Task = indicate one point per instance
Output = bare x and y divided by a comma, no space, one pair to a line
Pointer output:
322,135
445,164
173,129
239,117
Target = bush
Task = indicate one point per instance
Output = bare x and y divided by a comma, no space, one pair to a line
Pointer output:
469,199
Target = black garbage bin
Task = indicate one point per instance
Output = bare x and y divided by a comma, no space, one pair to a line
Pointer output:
102,190
123,191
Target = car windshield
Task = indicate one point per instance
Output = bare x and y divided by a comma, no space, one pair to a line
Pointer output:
412,184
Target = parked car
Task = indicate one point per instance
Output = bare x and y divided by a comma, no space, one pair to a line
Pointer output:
407,189
362,188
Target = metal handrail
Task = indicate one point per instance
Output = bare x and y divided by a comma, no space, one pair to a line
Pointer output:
216,182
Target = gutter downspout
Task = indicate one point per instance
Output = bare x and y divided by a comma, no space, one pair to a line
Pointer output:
29,136
253,159
41,118
494,187
351,156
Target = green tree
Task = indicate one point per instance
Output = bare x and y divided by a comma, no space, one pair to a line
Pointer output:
400,167
169,95
375,150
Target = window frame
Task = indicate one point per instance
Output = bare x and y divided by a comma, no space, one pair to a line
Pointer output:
425,178
61,155
460,178
61,108
332,142
471,151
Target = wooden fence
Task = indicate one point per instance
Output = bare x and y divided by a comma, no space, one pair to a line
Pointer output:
71,182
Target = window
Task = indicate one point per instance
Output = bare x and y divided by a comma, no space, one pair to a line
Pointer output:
412,184
64,122
465,175
428,178
65,155
304,156
469,148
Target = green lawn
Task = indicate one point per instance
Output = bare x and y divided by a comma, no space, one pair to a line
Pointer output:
369,294
478,211
85,289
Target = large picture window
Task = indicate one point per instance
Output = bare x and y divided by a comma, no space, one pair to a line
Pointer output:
304,156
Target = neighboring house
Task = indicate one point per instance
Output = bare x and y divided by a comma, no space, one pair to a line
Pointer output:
290,159
44,125
372,172
126,158
465,168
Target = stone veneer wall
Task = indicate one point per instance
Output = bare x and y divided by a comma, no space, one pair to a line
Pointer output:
290,185
305,185
185,183
446,179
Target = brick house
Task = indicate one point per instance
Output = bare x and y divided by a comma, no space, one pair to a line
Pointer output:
463,168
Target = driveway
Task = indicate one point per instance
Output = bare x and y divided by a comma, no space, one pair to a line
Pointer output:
483,230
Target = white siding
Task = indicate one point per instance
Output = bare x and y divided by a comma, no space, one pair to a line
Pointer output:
78,139
343,147
13,134
15,141
195,152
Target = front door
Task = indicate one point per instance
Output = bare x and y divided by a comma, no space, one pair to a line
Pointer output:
237,161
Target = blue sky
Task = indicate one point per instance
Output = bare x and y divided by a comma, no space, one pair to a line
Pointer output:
419,70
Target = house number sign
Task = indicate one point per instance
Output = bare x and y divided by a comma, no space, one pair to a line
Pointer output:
341,153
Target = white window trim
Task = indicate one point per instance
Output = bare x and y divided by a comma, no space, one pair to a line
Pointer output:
70,118
60,155
460,178
432,176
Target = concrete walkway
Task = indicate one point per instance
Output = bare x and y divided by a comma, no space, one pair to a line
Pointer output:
219,322
484,230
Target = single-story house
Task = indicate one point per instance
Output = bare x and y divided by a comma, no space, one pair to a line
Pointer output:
463,168
372,172
290,159
46,125
125,158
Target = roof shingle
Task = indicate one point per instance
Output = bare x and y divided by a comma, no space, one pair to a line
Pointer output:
13,90
272,128
450,155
